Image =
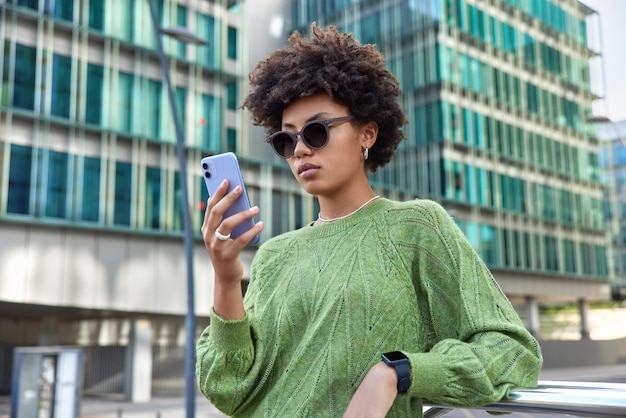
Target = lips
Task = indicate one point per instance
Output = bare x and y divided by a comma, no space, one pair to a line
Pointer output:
307,169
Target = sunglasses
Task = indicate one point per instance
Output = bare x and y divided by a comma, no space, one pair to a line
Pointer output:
314,134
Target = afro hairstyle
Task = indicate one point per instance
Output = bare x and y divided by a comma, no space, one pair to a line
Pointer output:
333,62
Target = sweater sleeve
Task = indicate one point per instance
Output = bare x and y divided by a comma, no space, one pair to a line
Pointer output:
480,349
225,366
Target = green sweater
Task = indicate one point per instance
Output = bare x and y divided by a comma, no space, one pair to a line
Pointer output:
324,302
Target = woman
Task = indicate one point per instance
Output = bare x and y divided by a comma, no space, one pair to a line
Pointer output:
374,306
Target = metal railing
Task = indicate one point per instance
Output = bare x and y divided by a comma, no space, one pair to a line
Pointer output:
579,399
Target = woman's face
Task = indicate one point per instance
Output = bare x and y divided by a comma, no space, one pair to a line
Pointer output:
333,169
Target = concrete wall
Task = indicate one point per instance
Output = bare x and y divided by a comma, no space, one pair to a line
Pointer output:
63,267
583,353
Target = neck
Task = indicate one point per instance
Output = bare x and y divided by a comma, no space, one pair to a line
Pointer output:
322,219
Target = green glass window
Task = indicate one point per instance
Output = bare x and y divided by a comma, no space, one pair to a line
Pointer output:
177,221
473,236
61,85
231,93
532,98
19,179
56,184
482,186
231,138
569,252
526,250
232,43
91,190
62,9
552,253
123,107
93,109
153,109
470,185
206,28
96,14
181,21
6,65
210,136
468,131
181,105
153,198
601,262
31,4
489,245
24,76
123,193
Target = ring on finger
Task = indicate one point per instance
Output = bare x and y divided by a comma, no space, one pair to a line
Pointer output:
221,236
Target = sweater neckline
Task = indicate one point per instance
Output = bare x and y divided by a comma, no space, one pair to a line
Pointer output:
362,216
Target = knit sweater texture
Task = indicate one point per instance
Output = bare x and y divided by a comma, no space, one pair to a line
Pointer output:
324,302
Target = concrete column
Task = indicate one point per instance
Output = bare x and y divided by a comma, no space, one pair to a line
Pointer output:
583,308
138,367
532,315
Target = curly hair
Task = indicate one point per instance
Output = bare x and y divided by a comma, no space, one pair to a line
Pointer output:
352,74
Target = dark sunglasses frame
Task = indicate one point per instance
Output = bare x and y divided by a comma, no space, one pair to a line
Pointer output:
294,135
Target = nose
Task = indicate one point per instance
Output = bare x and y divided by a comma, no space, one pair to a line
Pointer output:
301,148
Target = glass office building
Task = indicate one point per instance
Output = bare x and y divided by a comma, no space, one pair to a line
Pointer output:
497,94
90,197
612,160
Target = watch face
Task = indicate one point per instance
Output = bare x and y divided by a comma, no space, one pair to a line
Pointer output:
395,356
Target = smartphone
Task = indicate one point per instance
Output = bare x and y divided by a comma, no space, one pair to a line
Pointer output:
215,169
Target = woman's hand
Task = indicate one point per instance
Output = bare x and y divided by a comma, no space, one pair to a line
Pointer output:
224,254
375,394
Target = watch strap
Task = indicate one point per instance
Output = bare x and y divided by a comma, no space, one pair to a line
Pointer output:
402,367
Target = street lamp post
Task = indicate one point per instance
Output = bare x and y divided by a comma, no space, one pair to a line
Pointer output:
190,320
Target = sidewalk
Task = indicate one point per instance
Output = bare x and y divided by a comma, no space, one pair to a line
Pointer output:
116,407
99,407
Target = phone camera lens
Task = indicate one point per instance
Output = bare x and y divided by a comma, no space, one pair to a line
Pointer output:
205,165
207,174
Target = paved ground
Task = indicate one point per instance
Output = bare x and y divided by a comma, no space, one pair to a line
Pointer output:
115,407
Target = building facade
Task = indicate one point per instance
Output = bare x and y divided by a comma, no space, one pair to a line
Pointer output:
612,159
497,94
90,198
90,210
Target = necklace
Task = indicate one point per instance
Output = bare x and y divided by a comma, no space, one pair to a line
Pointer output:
322,219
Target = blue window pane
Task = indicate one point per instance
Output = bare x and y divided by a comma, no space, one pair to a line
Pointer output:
123,189
91,190
153,117
96,14
6,64
231,91
61,85
124,105
231,139
210,134
153,198
488,244
177,223
63,9
19,179
206,28
24,88
56,185
31,4
95,78
232,43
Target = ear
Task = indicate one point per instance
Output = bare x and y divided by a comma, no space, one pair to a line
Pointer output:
370,134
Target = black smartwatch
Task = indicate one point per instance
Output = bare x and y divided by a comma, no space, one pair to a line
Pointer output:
401,363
